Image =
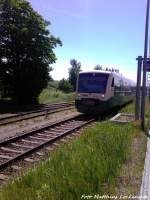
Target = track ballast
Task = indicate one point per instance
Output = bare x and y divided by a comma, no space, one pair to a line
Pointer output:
17,148
46,110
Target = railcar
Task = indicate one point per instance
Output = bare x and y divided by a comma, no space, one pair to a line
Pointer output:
99,91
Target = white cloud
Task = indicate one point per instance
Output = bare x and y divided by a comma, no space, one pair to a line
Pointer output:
60,70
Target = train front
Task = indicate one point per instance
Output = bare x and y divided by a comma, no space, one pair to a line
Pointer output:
92,92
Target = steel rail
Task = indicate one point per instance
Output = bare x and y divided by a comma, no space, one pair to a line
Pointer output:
38,113
81,121
46,107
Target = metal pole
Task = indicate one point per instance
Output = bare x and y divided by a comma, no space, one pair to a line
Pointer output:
149,92
138,89
144,67
149,86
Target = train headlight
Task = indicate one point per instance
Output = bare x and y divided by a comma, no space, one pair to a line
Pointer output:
79,96
102,95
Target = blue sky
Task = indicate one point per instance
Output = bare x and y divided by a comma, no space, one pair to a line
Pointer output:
106,32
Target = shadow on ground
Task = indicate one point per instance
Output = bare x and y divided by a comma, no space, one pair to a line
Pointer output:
8,106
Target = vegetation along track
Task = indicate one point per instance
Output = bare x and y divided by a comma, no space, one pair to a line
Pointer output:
18,147
47,109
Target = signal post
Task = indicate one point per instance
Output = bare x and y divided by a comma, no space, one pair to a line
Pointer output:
145,66
138,88
140,113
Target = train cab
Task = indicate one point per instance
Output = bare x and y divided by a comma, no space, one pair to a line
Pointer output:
97,91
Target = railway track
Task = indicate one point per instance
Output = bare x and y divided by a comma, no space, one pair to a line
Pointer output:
19,147
47,109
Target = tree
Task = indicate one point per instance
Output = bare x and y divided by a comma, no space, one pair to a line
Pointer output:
73,72
65,85
26,51
98,67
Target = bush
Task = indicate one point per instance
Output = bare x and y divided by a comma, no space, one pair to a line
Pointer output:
65,86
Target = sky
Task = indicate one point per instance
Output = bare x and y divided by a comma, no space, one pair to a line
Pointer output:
105,32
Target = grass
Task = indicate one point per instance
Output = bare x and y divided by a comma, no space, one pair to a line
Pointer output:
130,108
88,165
106,159
147,115
130,177
52,95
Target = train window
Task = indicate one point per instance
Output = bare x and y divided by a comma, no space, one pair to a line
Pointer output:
117,86
112,84
92,83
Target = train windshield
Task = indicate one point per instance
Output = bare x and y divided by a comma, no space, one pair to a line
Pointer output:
92,83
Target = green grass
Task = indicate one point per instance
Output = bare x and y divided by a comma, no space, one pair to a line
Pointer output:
147,115
94,163
130,177
130,108
52,95
87,165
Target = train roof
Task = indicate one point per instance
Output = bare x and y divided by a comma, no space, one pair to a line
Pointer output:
103,72
117,74
96,71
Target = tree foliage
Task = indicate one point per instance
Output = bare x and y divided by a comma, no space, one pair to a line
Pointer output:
73,72
26,51
98,67
65,85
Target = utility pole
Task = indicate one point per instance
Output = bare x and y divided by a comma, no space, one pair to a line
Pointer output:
148,77
138,88
144,67
149,87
